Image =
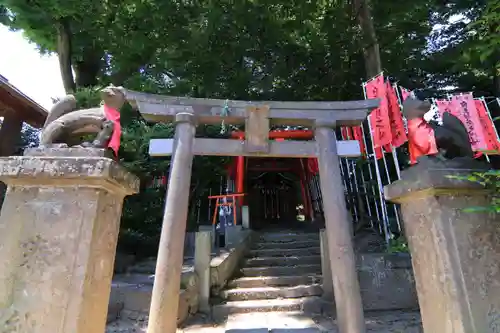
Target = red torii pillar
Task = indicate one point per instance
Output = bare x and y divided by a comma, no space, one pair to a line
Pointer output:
240,173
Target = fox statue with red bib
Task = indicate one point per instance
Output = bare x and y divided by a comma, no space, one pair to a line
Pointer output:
66,125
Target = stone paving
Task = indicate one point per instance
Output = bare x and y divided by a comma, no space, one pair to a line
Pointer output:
282,322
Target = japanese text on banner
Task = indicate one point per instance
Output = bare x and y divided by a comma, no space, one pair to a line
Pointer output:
490,135
395,117
379,118
466,111
463,110
469,117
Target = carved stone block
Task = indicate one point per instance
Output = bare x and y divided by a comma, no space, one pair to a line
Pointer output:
455,254
58,232
257,129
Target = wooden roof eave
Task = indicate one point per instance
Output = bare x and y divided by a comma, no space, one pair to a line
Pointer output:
13,100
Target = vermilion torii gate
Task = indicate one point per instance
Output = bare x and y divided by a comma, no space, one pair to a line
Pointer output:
257,117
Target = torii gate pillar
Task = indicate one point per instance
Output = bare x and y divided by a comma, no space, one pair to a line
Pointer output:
349,307
165,299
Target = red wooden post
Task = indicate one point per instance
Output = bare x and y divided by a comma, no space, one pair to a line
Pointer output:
304,196
240,175
310,208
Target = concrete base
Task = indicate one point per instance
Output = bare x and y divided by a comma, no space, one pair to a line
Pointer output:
58,231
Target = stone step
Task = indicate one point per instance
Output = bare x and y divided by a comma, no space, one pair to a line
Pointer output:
273,322
310,305
281,271
283,261
286,244
272,237
244,294
300,252
274,281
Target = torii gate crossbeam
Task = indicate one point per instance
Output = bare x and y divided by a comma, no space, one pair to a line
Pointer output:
257,117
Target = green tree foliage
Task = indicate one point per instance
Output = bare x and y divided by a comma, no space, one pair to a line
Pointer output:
464,48
258,49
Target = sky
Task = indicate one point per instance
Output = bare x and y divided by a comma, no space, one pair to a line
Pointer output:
36,76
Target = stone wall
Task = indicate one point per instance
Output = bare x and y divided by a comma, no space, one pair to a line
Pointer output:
131,295
223,266
387,281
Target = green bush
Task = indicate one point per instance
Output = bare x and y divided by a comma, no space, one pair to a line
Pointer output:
491,181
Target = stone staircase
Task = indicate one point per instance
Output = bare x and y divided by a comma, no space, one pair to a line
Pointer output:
281,273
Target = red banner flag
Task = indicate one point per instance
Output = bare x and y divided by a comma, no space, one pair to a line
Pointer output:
395,117
490,135
445,106
358,135
379,118
379,153
405,93
464,108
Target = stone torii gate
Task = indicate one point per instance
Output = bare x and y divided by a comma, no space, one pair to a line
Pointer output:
257,118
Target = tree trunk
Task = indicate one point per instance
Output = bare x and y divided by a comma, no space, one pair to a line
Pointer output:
87,70
371,49
64,54
373,66
496,79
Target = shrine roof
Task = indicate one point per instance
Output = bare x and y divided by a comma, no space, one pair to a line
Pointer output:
13,100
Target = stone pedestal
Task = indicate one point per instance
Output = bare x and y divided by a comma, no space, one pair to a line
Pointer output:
245,217
202,258
455,254
58,232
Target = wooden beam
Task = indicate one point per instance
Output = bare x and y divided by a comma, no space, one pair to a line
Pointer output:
227,147
160,108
